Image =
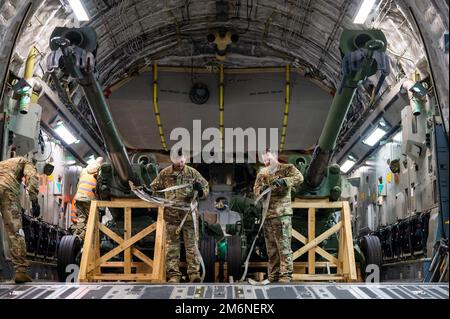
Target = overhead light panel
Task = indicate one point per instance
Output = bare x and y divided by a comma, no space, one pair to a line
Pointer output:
364,11
79,10
375,137
347,166
65,134
398,137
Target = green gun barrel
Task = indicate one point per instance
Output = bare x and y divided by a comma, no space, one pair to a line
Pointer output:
352,42
85,39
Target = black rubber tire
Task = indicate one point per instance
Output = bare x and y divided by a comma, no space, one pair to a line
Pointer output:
371,247
68,250
208,252
376,244
234,257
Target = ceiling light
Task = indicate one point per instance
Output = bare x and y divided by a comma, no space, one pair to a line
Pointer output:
375,137
347,166
398,137
364,10
79,10
65,134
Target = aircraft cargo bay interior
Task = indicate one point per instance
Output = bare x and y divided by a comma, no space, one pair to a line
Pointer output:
224,149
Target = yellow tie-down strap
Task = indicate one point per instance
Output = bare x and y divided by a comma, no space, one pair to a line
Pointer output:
156,107
287,102
221,106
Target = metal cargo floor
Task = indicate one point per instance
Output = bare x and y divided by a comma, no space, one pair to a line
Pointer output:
224,291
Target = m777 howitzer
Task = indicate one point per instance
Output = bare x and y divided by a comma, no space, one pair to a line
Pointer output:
363,55
73,51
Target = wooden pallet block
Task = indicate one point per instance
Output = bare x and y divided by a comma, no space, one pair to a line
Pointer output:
146,270
345,262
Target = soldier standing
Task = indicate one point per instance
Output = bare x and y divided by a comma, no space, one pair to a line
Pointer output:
178,174
12,172
278,224
83,197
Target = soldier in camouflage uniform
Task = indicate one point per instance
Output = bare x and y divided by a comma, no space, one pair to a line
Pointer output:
83,197
177,174
12,172
278,224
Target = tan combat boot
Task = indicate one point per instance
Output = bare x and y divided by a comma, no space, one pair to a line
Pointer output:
174,280
21,277
284,280
195,278
273,279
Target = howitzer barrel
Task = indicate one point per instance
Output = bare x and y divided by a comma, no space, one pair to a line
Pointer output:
363,55
115,148
73,51
327,141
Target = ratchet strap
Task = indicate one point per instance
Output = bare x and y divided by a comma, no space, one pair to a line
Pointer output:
140,192
265,204
193,212
173,188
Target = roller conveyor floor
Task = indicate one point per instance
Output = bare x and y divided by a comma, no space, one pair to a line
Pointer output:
225,291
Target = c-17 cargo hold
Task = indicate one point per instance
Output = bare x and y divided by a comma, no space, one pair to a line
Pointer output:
352,98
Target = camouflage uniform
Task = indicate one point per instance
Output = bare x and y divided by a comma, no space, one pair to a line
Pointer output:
278,223
169,177
85,193
11,173
82,208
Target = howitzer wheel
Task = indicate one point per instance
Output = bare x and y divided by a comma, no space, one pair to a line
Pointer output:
208,252
234,257
68,253
371,247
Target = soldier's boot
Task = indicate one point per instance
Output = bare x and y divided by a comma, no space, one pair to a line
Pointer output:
284,280
174,280
195,278
21,277
273,279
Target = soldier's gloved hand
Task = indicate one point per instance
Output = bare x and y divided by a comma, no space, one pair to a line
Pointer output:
199,188
279,183
35,209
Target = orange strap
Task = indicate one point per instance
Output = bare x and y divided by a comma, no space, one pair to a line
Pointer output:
73,212
74,217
